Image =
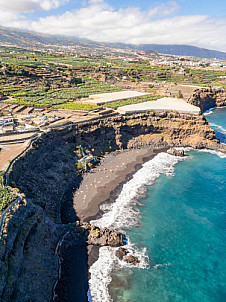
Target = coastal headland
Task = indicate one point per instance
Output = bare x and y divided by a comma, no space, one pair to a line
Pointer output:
40,234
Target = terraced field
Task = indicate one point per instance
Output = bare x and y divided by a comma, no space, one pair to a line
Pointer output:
59,97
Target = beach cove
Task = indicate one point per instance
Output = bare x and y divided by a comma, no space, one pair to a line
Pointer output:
50,180
189,243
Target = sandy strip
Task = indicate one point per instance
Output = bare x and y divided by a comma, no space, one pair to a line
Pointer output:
104,183
97,185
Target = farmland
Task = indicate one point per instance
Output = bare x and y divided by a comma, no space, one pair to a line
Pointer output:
51,97
137,100
63,81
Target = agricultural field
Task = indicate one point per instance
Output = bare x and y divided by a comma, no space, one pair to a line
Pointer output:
51,97
197,77
137,100
77,106
60,81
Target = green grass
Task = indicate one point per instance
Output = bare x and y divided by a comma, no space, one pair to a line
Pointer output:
133,101
51,97
77,106
6,197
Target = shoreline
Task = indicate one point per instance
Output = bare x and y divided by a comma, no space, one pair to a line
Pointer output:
107,178
107,191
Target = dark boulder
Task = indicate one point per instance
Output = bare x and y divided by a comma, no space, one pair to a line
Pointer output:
131,259
121,252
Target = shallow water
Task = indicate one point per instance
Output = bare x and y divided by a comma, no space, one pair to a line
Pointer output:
179,231
183,229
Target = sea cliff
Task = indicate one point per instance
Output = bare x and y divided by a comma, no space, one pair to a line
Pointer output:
48,175
206,99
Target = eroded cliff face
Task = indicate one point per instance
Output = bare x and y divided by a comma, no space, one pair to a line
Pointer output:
159,129
207,98
47,176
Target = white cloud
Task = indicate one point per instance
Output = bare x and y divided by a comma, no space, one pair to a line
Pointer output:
30,5
98,21
164,10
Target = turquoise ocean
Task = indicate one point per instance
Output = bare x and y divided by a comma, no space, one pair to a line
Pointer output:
174,214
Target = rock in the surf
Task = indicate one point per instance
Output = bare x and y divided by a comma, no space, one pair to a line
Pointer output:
102,237
121,252
131,259
176,152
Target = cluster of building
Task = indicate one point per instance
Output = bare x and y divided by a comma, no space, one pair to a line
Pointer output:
24,123
173,60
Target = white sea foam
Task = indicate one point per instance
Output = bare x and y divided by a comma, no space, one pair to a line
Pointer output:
122,215
162,265
101,270
220,128
209,111
215,152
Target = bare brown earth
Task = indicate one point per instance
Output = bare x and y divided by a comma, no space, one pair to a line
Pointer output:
9,152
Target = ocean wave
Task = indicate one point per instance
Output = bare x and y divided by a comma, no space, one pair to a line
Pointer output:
215,152
209,111
101,270
122,215
220,128
157,266
100,275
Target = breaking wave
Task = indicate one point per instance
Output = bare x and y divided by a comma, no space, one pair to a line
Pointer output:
220,128
215,152
122,215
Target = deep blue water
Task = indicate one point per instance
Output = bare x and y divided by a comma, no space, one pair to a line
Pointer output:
183,227
217,120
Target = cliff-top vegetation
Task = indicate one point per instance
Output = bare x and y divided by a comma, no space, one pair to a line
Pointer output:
6,197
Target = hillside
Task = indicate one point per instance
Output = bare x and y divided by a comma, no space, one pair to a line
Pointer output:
184,50
25,38
28,39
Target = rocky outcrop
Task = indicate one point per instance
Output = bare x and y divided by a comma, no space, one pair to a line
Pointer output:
121,252
208,98
131,259
158,129
103,237
176,152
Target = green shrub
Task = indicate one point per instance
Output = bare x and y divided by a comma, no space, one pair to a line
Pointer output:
180,95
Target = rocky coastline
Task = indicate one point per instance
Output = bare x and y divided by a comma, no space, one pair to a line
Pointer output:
48,176
206,99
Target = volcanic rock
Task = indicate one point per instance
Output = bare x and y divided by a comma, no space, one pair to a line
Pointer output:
121,252
131,259
176,152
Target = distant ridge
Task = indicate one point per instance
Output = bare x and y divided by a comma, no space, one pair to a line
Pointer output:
185,50
25,39
22,38
180,50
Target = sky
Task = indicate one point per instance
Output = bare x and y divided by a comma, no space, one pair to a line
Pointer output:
199,23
